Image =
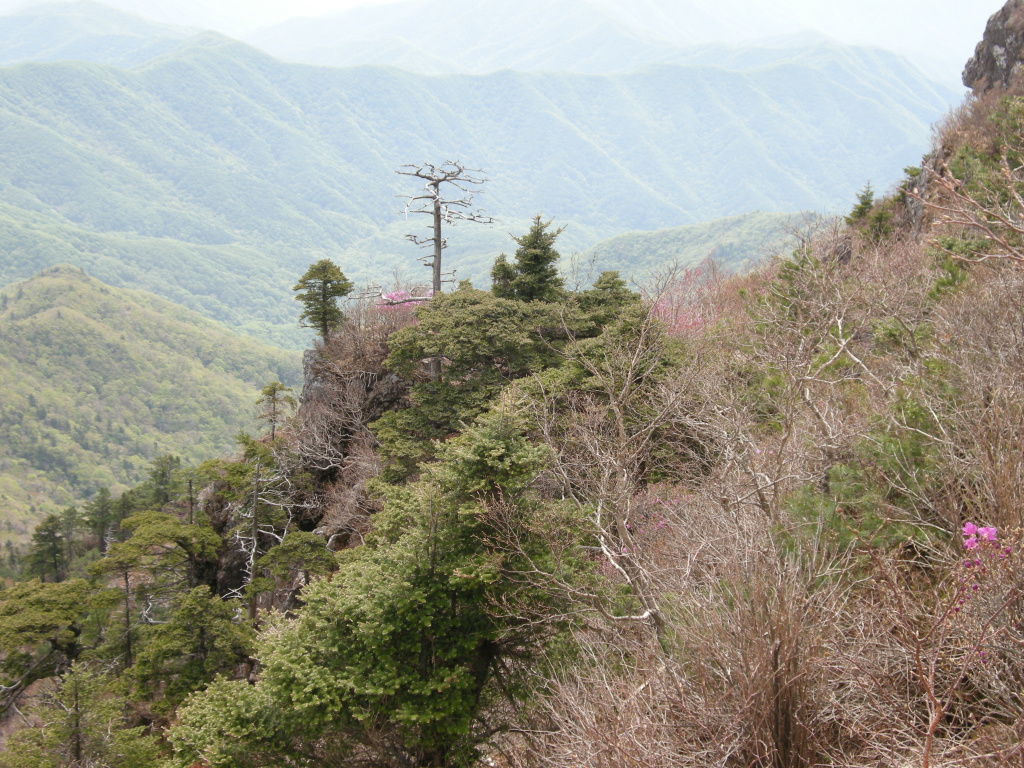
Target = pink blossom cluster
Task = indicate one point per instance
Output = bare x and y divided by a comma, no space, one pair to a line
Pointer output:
679,321
400,299
980,542
975,536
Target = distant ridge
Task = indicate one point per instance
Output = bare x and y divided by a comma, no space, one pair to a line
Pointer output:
578,36
98,381
84,31
735,244
215,174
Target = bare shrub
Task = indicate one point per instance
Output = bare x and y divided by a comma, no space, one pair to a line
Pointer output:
979,401
347,387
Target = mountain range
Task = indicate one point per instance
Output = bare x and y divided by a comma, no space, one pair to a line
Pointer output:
481,36
213,174
85,31
210,173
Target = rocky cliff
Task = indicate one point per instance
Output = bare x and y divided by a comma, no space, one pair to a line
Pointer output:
1001,52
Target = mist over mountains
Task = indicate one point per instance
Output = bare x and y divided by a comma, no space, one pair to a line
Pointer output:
85,31
212,173
480,36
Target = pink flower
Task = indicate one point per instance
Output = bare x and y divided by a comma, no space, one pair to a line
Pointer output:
971,543
970,529
988,534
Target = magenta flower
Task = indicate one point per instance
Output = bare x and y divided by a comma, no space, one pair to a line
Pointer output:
970,529
988,534
971,543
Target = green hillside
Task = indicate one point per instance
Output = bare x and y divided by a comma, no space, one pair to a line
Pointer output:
85,31
736,244
98,381
214,175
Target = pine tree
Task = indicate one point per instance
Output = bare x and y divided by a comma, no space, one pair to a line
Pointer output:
47,556
534,275
319,290
274,402
865,202
164,481
99,517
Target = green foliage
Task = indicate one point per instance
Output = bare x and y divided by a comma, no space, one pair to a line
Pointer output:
319,290
850,516
199,640
301,553
170,178
274,403
47,554
172,551
534,275
41,627
736,244
955,251
163,483
99,516
69,428
81,723
872,217
483,342
398,651
602,303
865,204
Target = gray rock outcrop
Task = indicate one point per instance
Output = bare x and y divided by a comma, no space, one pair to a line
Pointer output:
1001,52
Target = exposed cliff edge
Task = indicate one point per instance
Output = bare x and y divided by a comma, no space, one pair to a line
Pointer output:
1001,52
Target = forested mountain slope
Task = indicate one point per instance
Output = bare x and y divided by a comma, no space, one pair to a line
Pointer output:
735,244
85,31
768,520
239,170
99,381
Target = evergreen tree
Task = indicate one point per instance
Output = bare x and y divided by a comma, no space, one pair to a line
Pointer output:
164,483
865,202
81,723
47,555
534,275
319,290
127,503
399,659
183,654
273,403
100,517
41,628
122,561
70,520
484,341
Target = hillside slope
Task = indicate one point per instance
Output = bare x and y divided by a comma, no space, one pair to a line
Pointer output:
736,244
98,381
85,31
240,170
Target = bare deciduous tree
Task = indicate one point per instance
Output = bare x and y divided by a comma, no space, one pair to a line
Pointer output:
443,208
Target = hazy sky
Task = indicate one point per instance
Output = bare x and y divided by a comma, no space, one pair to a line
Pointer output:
879,19
943,30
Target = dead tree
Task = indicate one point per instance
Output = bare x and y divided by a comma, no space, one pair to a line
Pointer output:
442,207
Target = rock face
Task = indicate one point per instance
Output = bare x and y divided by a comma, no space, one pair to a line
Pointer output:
1001,52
